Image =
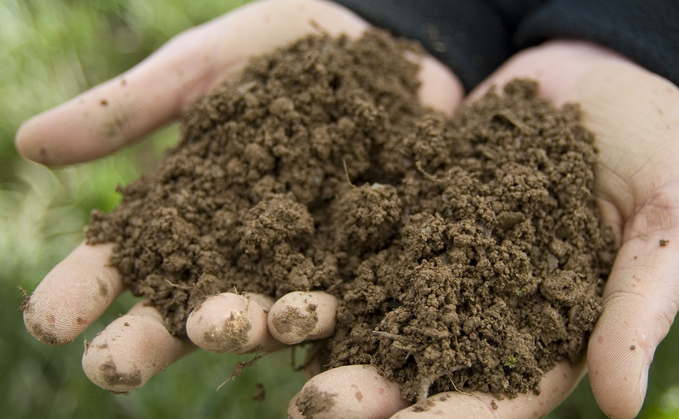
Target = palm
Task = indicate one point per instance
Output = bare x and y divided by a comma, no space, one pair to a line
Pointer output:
633,115
638,192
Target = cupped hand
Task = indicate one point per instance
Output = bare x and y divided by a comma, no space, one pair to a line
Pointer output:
634,115
137,346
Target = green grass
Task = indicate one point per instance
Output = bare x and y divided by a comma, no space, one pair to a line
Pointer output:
49,52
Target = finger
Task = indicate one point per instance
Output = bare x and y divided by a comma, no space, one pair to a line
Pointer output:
640,302
156,91
232,323
440,89
300,316
354,391
555,386
131,350
124,109
72,295
557,66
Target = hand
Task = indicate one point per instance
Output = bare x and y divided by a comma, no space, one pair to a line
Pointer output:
634,115
137,346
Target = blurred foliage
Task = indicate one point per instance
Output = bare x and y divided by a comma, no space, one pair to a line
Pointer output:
49,52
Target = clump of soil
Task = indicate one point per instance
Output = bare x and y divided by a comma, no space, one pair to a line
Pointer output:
467,253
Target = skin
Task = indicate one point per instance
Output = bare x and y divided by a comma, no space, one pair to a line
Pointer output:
634,114
232,323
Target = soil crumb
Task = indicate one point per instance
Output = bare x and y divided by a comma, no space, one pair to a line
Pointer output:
467,253
312,401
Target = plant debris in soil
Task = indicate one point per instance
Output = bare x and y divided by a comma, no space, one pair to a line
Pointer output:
467,253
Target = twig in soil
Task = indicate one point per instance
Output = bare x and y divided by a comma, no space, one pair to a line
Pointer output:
239,367
317,26
515,122
308,359
346,173
399,342
181,287
391,336
422,394
334,285
458,390
425,384
429,176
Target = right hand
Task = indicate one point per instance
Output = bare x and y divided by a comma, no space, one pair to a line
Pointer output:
634,115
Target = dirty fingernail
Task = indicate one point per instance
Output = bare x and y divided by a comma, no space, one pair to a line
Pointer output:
300,316
230,323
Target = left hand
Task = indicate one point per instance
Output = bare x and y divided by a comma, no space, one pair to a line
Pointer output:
634,115
137,345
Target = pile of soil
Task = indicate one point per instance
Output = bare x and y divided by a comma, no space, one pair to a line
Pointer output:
467,253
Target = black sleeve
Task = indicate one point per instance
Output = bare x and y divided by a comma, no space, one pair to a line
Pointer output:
474,37
469,36
647,31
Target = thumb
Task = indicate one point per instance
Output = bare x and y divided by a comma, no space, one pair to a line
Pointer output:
640,302
156,91
123,110
118,112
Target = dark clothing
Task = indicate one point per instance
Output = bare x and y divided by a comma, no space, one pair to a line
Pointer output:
474,37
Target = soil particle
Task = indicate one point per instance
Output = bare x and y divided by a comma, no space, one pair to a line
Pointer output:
27,299
114,378
103,287
466,253
292,320
46,337
232,335
312,401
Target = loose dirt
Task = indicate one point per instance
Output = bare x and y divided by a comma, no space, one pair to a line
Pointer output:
467,253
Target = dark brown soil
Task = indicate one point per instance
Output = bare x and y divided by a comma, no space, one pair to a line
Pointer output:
467,253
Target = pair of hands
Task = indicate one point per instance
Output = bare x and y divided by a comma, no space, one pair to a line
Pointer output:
633,113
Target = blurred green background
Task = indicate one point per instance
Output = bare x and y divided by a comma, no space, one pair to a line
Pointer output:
49,52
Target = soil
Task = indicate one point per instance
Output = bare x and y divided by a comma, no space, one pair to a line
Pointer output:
467,253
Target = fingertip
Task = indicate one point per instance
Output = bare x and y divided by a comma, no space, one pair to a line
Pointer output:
293,410
22,143
43,327
76,131
638,310
354,391
619,361
440,88
300,316
72,295
131,350
232,323
105,118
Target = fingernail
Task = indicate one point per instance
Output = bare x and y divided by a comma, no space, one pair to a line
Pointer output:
643,381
